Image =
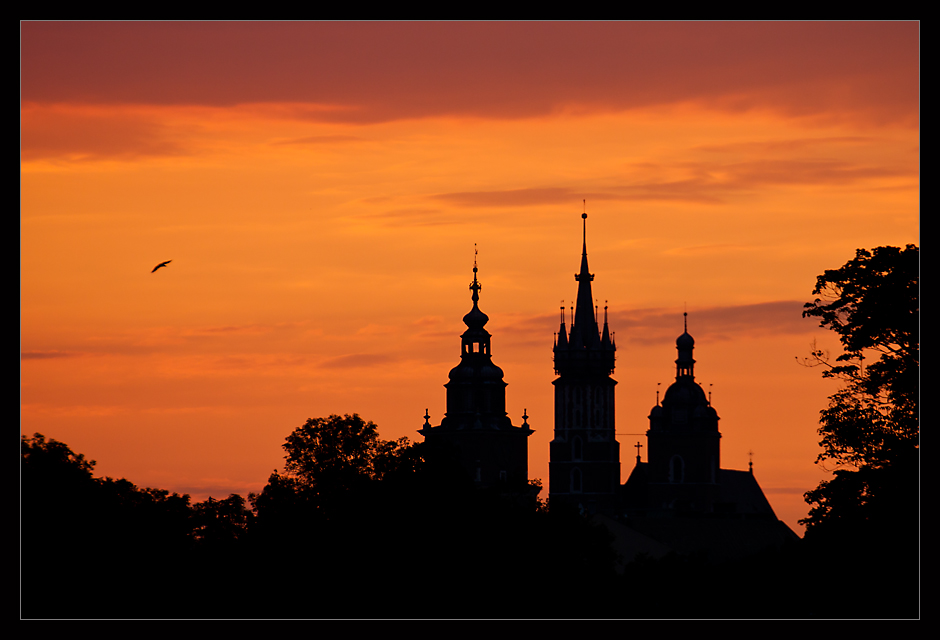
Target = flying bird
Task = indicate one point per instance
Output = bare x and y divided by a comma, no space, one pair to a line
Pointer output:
162,264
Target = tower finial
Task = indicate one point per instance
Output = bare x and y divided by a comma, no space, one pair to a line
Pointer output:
475,286
584,234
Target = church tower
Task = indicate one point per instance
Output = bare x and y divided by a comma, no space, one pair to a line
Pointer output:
476,426
584,455
683,441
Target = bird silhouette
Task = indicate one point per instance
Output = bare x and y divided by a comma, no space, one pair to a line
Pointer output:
162,264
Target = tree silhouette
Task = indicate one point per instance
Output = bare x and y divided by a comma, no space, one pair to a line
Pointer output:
871,424
353,527
339,451
332,466
220,523
94,547
870,430
872,303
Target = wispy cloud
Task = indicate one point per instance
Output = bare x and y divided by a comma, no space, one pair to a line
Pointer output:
85,134
762,147
355,360
228,329
318,140
707,182
507,198
656,326
645,326
709,249
46,355
411,217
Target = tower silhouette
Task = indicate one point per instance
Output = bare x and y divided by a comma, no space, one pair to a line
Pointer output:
476,425
683,473
683,440
681,499
584,455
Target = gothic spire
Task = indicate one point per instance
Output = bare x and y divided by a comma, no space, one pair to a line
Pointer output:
584,327
580,347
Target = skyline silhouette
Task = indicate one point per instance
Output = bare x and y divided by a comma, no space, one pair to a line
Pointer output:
321,184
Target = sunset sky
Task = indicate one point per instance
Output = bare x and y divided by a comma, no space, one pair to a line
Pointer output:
319,188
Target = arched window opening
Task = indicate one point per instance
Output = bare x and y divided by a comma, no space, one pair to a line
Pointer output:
676,469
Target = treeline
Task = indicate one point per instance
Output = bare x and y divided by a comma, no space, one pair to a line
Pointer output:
356,527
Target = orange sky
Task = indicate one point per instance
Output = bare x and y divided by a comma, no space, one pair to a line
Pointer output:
320,187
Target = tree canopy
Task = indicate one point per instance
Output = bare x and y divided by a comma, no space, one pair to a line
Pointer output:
340,449
870,430
332,465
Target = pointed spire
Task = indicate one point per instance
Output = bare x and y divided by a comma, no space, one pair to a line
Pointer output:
562,331
582,348
585,322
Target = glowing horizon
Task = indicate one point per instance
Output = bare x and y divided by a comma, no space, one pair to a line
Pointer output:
320,188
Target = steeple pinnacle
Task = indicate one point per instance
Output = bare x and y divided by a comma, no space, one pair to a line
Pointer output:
584,234
562,330
585,347
584,327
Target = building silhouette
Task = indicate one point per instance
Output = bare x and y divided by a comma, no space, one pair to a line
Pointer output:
680,499
683,443
584,455
476,426
683,472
